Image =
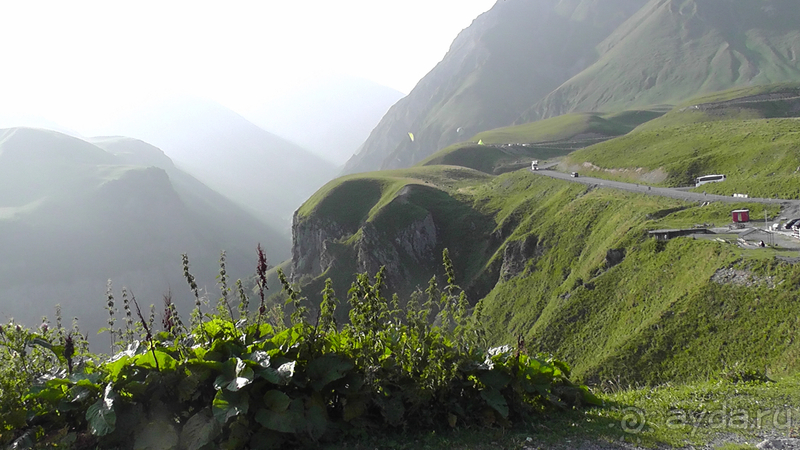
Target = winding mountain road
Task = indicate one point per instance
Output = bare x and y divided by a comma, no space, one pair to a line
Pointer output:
676,193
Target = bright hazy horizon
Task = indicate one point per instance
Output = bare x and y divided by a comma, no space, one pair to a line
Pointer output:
79,64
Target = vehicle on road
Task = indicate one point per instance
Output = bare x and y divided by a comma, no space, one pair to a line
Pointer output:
574,174
699,181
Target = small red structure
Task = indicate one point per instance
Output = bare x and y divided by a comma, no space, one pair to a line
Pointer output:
741,216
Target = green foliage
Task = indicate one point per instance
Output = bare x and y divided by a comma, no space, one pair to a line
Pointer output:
511,148
748,134
242,384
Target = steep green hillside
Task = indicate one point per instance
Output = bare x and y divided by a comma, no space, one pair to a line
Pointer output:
653,314
570,127
510,148
569,268
507,60
672,50
402,219
744,134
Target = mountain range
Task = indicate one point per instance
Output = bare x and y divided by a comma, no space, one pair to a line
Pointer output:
526,60
654,92
268,175
74,214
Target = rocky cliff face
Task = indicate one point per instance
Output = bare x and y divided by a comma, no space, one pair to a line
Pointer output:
313,239
516,256
310,240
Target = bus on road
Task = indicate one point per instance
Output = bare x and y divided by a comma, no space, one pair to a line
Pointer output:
699,181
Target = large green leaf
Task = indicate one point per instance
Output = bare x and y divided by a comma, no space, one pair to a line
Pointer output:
496,400
286,371
276,401
259,357
355,407
326,369
199,431
289,421
495,378
229,404
316,418
101,416
148,361
235,375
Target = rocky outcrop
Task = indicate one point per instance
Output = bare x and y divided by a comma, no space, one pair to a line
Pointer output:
374,252
743,277
516,256
779,443
310,240
414,244
614,256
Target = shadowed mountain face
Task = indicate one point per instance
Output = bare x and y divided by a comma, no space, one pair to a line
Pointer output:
672,50
74,214
331,117
268,175
508,59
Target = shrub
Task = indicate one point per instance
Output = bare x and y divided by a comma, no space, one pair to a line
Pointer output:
241,384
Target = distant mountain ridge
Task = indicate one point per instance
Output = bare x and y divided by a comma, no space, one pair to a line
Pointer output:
74,214
263,172
673,50
507,60
524,61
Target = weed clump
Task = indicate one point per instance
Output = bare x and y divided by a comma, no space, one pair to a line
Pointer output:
244,382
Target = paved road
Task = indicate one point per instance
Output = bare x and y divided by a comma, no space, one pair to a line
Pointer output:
663,192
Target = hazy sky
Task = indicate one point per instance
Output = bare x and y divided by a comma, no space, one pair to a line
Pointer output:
79,63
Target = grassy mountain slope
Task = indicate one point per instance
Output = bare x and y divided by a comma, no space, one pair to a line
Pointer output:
73,215
510,148
652,316
672,50
569,268
350,225
744,134
508,59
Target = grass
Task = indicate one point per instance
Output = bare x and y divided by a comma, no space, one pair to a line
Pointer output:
567,127
753,142
649,319
711,46
759,157
744,93
543,140
716,412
